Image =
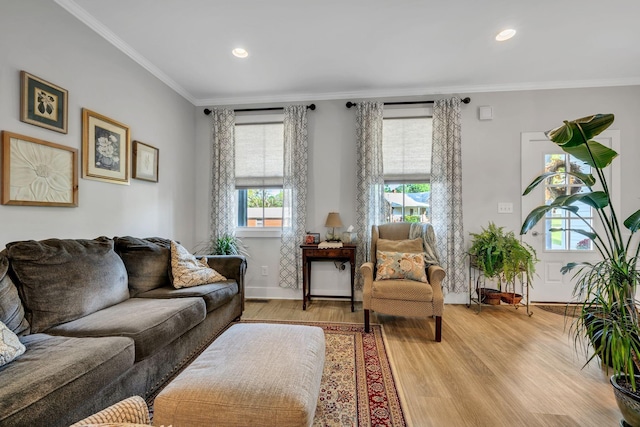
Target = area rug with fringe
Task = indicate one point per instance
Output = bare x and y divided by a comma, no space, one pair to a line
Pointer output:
358,387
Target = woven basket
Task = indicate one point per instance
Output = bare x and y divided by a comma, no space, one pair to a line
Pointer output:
511,298
489,296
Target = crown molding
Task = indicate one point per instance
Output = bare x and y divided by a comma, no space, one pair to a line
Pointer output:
86,18
420,91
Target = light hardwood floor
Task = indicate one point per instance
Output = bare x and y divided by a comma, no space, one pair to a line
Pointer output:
496,368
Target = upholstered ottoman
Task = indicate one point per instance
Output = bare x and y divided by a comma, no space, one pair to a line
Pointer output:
254,374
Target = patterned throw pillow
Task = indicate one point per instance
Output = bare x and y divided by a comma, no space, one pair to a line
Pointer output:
10,345
188,271
400,265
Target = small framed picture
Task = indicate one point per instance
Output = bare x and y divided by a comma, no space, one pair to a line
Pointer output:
312,238
145,161
42,103
37,172
105,148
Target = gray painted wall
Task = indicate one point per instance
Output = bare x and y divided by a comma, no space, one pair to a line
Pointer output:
491,163
43,39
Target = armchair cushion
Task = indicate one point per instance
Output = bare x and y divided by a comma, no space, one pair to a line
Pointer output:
400,265
406,290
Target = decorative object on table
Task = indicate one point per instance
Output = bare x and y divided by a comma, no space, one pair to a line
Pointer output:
349,236
37,172
312,238
500,256
330,244
333,222
145,161
105,148
42,103
606,325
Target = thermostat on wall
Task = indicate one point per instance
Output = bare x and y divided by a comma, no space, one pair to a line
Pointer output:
485,112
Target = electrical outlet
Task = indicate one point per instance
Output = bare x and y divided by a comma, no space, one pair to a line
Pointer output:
505,208
264,270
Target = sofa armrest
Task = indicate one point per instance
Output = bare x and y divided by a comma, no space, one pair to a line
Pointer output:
232,267
131,411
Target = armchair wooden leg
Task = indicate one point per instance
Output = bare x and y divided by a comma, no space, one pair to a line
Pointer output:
438,328
366,321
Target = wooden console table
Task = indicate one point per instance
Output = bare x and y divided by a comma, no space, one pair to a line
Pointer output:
310,252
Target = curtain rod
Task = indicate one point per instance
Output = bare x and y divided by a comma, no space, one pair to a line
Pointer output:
464,101
310,107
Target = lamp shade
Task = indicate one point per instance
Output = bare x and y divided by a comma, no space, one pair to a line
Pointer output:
333,220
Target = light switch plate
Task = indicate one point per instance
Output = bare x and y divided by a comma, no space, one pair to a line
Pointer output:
505,207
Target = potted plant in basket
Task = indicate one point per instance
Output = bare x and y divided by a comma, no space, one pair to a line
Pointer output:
501,256
607,313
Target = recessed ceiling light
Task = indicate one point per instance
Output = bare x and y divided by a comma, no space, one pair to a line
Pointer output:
240,52
505,34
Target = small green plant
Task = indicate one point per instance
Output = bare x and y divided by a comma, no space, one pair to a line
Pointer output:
500,255
228,244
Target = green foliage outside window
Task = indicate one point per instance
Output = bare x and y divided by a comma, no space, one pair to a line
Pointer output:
256,199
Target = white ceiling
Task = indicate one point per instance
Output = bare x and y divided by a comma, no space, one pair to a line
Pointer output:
304,50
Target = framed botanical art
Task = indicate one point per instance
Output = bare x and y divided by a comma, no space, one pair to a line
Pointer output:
105,148
37,172
42,103
145,161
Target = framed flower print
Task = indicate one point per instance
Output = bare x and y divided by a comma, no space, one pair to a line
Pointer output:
105,148
42,103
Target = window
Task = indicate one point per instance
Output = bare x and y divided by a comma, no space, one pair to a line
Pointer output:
406,153
259,154
561,224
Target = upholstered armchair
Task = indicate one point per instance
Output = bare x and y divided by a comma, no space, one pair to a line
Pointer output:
394,284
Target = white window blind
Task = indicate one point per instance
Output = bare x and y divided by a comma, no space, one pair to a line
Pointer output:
406,149
259,154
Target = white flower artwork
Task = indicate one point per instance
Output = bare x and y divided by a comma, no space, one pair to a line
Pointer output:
39,173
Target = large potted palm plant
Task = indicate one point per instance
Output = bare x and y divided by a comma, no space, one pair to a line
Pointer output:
607,314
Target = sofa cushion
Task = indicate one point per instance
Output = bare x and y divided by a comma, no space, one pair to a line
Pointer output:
151,323
11,309
63,280
147,261
214,294
187,271
10,345
56,373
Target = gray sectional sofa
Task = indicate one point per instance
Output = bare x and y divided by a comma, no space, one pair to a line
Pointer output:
101,322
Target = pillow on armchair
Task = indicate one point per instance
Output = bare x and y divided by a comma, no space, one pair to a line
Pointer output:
400,265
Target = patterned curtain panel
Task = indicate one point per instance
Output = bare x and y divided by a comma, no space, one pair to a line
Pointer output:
370,180
295,195
223,212
446,191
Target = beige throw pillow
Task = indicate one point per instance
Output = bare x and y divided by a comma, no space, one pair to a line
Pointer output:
10,345
400,265
188,271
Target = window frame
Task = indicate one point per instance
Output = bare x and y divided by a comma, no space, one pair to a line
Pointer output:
404,112
257,118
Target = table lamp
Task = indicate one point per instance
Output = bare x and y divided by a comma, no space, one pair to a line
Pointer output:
333,221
